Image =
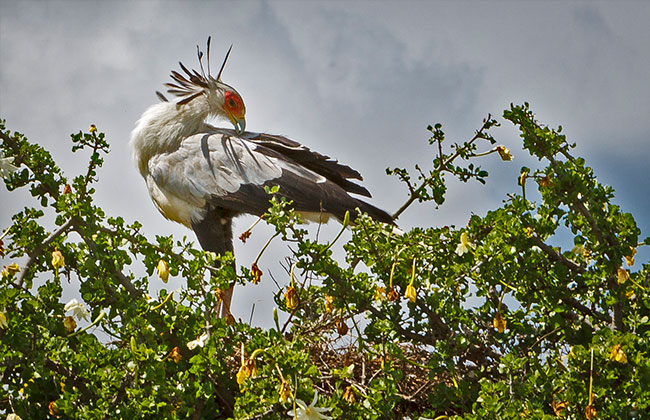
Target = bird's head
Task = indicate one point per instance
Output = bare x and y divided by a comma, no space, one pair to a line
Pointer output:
225,101
231,105
221,100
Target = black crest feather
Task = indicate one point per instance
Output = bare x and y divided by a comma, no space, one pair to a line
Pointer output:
191,85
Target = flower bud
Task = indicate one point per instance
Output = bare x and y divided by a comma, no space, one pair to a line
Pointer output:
504,152
410,293
175,355
341,327
499,323
70,324
58,261
163,271
257,273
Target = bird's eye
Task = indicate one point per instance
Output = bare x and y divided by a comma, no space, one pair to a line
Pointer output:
233,103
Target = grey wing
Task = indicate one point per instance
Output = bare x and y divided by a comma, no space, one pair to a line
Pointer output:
230,173
211,165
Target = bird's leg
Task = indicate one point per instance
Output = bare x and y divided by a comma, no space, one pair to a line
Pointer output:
225,301
214,232
227,295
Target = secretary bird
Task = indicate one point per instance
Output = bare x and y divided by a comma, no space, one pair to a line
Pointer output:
202,176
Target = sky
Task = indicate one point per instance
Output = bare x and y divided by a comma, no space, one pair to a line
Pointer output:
358,81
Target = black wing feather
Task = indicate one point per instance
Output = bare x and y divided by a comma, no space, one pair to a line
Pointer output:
306,196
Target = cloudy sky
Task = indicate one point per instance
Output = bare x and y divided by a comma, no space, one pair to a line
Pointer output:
357,81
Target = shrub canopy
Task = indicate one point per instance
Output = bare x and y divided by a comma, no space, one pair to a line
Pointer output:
489,320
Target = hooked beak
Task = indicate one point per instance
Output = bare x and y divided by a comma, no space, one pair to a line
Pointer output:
239,123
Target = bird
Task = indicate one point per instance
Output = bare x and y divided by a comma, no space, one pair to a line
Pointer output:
203,176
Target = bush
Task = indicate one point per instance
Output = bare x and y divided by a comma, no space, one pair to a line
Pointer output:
486,321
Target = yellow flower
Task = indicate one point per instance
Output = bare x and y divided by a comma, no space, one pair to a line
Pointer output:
392,294
242,374
522,178
559,407
163,271
25,385
341,327
348,395
464,245
285,390
504,152
13,416
380,293
10,270
578,250
175,355
3,321
247,369
629,259
257,273
545,181
410,293
69,323
329,303
92,128
622,275
252,366
617,354
499,323
58,261
590,412
51,407
291,297
219,294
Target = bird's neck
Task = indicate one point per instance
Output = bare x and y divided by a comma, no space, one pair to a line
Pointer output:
163,127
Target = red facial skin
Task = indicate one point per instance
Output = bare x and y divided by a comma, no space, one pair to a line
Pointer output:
233,104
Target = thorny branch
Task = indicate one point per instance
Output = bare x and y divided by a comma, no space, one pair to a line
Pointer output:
121,278
443,165
556,256
611,242
34,254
